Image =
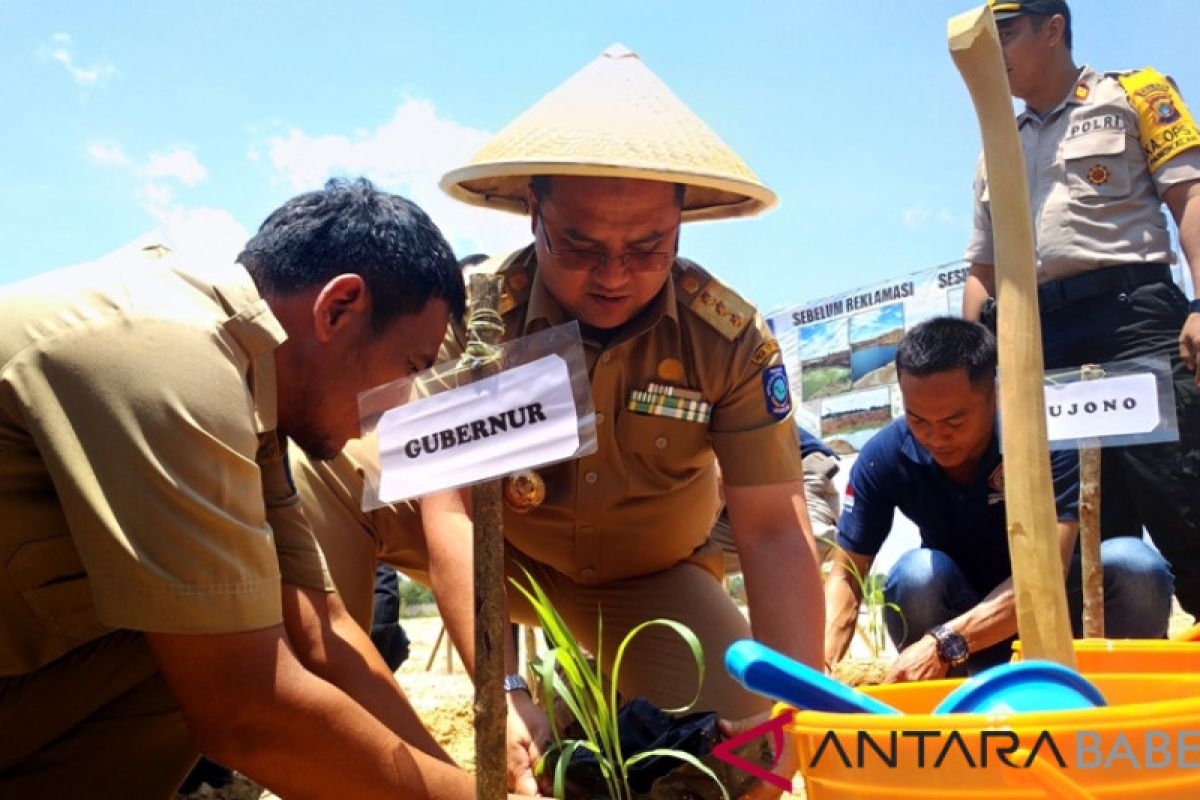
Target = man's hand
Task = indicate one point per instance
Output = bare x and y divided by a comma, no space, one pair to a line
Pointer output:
1189,344
784,768
919,662
528,734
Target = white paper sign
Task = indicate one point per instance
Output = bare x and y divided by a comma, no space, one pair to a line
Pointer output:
1117,406
521,417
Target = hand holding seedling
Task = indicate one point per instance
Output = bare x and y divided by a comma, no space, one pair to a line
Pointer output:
528,731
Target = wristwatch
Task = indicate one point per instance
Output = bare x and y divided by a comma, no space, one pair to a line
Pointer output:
515,683
1194,306
951,646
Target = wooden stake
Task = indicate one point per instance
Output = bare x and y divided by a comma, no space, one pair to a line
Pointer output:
485,329
1089,527
436,644
1041,599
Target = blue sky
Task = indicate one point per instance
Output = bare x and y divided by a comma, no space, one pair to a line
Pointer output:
198,119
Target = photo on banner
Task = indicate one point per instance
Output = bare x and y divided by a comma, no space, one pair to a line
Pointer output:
840,351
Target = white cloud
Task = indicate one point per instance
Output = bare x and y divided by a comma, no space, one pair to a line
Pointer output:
61,52
915,218
207,233
107,154
177,163
204,232
407,154
919,217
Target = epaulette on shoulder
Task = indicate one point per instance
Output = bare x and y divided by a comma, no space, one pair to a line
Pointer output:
1126,74
712,301
514,272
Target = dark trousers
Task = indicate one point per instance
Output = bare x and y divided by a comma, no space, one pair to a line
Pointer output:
386,633
1155,485
929,589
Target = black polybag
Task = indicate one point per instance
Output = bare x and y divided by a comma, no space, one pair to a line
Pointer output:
642,726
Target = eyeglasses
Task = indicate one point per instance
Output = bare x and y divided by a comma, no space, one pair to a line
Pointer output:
587,260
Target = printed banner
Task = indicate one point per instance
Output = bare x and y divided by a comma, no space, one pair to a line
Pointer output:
521,417
839,351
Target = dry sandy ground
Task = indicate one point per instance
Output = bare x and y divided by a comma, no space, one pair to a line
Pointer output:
443,699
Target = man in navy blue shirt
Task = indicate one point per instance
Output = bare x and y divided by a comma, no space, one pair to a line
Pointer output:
940,465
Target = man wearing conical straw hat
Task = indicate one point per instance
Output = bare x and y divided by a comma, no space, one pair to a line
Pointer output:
684,375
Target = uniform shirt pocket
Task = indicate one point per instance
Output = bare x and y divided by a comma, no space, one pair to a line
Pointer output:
1096,165
54,584
661,452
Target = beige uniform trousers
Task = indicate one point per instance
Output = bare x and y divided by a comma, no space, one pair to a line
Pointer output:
657,664
97,723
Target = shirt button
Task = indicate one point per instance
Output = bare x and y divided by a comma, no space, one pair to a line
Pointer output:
599,418
660,443
591,476
588,573
606,357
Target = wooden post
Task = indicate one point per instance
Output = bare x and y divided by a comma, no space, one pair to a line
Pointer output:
1041,598
1089,527
485,328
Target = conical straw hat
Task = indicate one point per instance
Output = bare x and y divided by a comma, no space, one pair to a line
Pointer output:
613,119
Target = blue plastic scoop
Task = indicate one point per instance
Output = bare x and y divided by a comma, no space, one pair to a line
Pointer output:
1016,687
1022,686
769,672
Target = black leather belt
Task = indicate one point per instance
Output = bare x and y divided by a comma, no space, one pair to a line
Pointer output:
1059,294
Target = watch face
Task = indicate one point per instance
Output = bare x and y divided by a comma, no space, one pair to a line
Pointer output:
956,648
951,645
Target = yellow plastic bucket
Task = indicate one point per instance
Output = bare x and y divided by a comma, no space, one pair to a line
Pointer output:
1144,656
1144,745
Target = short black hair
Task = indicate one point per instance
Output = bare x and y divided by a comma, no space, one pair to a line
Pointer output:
352,227
540,186
943,344
1038,20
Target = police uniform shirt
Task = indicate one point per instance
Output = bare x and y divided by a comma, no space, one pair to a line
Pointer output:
142,484
648,497
967,523
1094,200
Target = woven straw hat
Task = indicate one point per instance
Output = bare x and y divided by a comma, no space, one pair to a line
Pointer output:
612,119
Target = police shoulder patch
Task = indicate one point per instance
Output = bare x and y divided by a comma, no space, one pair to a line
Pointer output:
712,301
1165,126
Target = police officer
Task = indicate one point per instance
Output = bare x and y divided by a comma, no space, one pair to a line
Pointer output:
160,590
1103,152
940,466
683,374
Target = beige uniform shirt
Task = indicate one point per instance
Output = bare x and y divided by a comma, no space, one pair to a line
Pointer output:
648,496
1095,203
351,539
142,484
